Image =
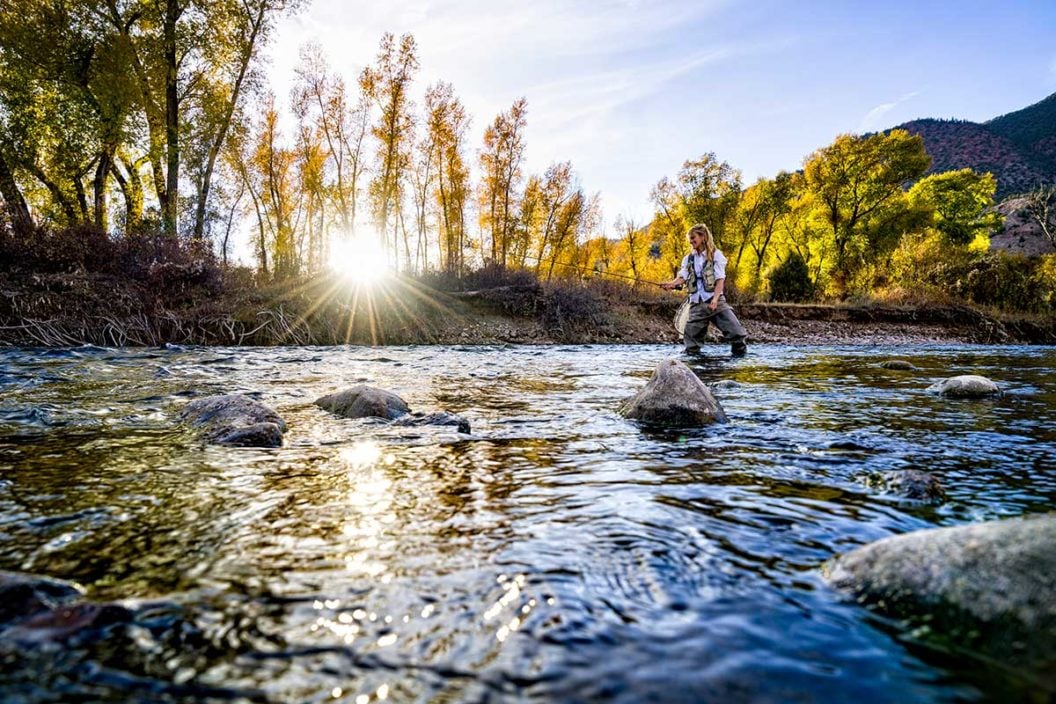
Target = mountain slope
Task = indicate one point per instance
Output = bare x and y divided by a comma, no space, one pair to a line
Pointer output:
1018,148
1029,126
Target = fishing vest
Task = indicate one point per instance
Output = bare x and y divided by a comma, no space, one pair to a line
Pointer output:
707,273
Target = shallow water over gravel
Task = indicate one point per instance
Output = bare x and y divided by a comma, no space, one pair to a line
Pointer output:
560,552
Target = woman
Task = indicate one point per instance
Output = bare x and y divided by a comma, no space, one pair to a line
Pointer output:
704,273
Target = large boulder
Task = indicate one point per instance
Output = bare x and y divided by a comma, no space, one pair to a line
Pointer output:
965,386
988,586
235,420
362,401
674,396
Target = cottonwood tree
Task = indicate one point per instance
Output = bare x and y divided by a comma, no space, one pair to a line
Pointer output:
858,183
500,165
65,108
959,203
233,32
529,216
634,245
321,97
709,190
774,196
387,83
420,179
275,181
705,190
447,123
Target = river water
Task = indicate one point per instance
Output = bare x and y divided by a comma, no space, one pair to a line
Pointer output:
559,552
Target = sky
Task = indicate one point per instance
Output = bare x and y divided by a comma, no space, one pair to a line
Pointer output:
627,90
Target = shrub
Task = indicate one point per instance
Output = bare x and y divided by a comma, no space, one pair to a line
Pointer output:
1008,282
790,280
569,305
167,266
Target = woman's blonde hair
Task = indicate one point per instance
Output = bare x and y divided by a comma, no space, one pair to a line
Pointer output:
709,239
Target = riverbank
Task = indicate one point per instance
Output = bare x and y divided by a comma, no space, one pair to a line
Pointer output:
75,309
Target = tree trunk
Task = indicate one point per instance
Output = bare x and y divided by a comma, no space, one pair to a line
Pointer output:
225,123
99,183
17,210
172,118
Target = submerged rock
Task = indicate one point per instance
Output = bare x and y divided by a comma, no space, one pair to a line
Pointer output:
674,396
911,484
235,420
66,622
966,386
441,418
36,609
899,365
23,594
987,586
725,384
362,401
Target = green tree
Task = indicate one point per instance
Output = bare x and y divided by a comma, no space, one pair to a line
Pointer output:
858,185
960,203
65,108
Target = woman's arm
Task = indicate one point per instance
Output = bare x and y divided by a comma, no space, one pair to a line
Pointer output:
720,285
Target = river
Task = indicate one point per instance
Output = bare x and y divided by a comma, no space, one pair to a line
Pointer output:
559,552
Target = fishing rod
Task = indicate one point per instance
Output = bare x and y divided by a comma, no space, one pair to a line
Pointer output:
582,271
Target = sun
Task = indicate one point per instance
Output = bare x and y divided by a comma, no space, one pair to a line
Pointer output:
359,258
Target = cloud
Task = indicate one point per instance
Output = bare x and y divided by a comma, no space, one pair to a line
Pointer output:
872,120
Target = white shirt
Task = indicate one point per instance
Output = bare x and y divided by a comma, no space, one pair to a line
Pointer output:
702,296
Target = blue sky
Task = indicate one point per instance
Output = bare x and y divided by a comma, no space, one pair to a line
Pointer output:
629,89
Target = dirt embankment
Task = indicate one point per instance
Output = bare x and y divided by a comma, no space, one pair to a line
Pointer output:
61,310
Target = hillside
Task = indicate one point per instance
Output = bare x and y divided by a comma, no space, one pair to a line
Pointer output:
1018,148
1030,126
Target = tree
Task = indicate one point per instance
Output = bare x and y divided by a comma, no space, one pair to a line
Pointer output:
959,203
387,84
500,162
273,176
322,97
710,190
633,239
774,197
858,184
234,31
447,123
65,108
705,190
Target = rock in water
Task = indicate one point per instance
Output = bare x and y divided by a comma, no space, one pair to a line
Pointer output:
235,420
674,396
988,585
966,386
912,484
36,610
363,401
899,365
417,420
26,594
